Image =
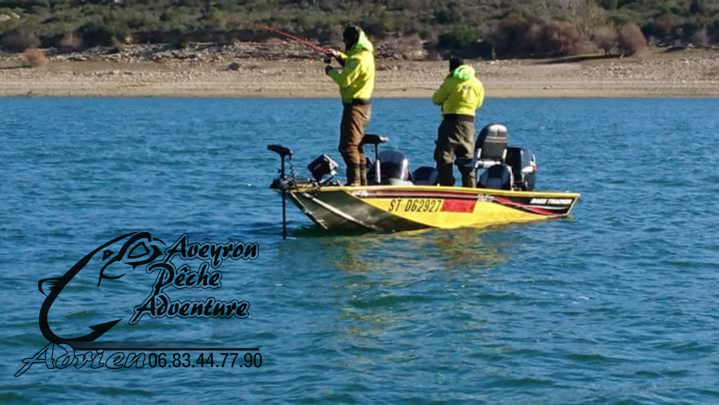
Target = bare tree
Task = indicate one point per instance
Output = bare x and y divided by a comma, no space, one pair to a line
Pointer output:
605,38
584,14
631,40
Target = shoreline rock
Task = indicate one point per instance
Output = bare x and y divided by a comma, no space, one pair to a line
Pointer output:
201,70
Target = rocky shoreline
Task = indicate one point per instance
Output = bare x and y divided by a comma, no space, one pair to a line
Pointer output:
279,69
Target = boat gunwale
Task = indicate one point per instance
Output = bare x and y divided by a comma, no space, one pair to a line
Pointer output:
436,189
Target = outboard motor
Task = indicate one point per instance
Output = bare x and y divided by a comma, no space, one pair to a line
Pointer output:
394,169
524,168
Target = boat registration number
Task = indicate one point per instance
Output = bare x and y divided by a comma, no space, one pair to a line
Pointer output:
414,205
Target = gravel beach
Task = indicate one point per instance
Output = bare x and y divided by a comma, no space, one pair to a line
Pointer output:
261,70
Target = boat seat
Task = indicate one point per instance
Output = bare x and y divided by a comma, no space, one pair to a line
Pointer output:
490,148
372,139
497,177
425,176
491,145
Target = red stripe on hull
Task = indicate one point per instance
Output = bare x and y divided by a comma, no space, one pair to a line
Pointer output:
459,206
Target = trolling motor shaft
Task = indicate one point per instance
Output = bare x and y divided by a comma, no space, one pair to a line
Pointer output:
282,183
375,140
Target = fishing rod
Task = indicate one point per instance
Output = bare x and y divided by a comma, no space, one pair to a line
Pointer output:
305,42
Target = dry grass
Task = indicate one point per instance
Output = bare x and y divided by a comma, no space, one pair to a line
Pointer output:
35,58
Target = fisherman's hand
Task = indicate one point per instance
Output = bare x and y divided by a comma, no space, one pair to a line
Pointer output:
328,69
337,55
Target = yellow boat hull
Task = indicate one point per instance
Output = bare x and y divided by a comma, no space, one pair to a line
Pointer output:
403,208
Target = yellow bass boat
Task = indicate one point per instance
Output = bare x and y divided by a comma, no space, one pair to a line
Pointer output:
405,208
397,200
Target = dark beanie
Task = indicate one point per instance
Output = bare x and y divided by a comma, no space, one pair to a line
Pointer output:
351,34
454,63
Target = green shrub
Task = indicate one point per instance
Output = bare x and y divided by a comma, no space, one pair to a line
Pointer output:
20,40
713,31
95,34
663,26
462,37
516,28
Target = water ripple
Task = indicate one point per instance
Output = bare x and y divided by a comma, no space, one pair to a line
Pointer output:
615,305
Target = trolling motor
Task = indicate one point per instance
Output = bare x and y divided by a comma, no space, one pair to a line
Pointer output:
376,140
283,182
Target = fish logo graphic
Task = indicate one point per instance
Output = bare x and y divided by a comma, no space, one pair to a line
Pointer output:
136,249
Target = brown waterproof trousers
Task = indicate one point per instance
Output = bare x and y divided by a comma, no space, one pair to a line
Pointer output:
354,120
454,138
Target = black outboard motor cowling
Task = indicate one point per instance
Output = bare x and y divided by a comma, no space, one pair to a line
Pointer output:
524,168
394,168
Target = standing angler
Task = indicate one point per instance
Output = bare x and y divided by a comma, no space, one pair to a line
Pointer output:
460,96
356,82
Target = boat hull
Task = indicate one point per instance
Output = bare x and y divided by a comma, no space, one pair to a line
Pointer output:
406,208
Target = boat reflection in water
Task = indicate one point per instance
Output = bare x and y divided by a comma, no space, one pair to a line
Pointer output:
464,249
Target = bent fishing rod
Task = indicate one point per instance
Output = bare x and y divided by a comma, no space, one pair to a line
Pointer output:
327,52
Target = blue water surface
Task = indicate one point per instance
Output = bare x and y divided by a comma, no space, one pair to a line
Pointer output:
618,304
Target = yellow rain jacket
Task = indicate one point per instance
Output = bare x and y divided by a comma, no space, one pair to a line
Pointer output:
356,80
461,93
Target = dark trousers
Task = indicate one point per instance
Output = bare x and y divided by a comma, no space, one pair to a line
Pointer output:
455,138
354,120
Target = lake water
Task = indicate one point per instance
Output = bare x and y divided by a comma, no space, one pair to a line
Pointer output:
618,304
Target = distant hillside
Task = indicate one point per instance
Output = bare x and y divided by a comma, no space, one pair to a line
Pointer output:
487,28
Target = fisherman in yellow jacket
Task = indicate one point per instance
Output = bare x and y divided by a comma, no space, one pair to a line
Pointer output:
460,95
356,83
